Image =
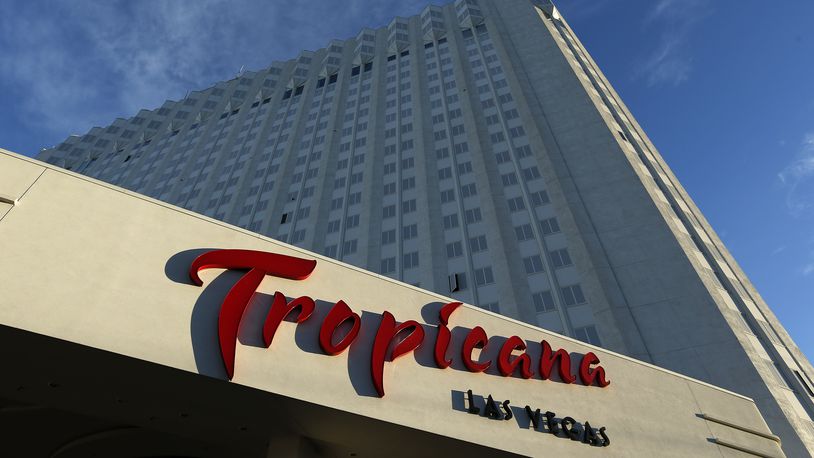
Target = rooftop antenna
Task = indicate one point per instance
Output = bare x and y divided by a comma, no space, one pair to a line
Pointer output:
240,72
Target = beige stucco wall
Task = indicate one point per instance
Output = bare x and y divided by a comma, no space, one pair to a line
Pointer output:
93,264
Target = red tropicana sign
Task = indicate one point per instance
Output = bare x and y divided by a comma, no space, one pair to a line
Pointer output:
405,337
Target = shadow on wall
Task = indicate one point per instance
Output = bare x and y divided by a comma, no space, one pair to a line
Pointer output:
203,327
206,347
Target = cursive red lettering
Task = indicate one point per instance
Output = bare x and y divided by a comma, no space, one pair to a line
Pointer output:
507,366
475,339
385,335
595,376
339,314
280,309
547,360
444,336
259,264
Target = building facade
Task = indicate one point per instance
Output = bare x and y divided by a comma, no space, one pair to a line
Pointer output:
474,150
123,343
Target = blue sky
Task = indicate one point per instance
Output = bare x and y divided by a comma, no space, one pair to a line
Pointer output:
724,88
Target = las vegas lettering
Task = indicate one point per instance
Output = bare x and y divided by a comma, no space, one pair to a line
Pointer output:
409,335
566,427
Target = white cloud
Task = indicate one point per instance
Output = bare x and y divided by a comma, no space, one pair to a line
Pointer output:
670,60
83,63
798,179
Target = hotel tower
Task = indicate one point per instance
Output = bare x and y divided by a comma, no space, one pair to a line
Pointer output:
474,150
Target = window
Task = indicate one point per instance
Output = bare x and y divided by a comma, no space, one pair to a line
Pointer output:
587,334
457,282
349,247
408,206
409,232
572,295
389,237
451,221
454,250
472,216
509,179
560,258
516,204
330,251
524,232
389,188
298,236
408,183
523,151
469,190
389,211
533,264
352,221
544,301
518,131
531,173
539,198
805,384
388,265
780,378
768,330
447,196
333,226
445,173
411,260
484,276
478,244
549,226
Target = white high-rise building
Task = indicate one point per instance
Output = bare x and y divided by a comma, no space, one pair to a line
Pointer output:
475,150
